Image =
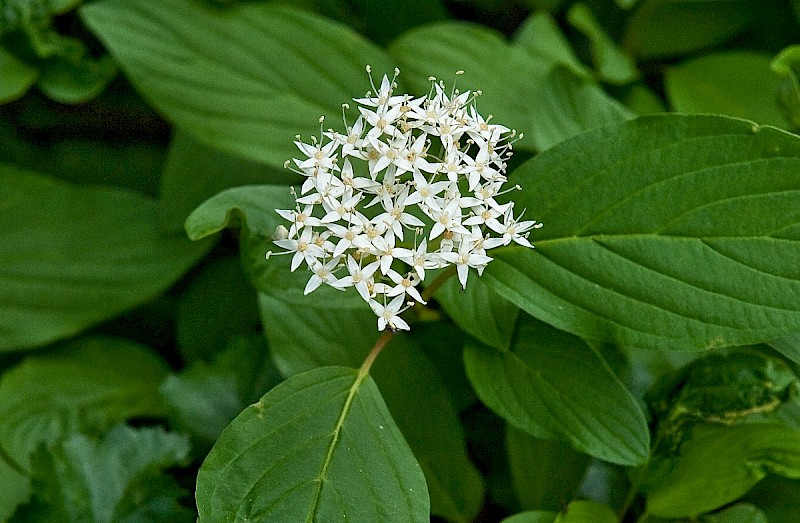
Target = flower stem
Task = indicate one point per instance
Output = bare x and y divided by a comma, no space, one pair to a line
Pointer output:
376,349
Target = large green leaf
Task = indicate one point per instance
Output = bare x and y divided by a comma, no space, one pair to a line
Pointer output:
553,385
75,256
89,384
321,446
735,83
719,464
246,78
668,232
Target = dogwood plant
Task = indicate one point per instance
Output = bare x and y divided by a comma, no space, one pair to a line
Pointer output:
408,187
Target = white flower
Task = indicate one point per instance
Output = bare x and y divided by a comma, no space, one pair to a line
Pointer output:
465,258
389,314
432,165
303,248
359,277
323,273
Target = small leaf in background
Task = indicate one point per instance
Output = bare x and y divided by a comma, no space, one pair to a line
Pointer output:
786,66
540,36
89,384
479,311
586,511
788,346
253,205
546,473
419,403
568,105
16,77
553,385
118,478
721,431
613,64
664,28
206,397
743,384
195,172
739,513
532,516
708,261
734,83
245,79
778,497
641,99
320,446
721,462
72,76
73,256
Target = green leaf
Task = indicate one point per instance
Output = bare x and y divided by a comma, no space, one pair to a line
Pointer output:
303,336
723,463
734,83
586,512
195,172
415,395
553,385
507,75
567,105
786,66
662,28
75,256
246,79
667,232
205,398
788,346
739,513
532,516
320,446
117,478
16,489
546,473
613,64
778,497
16,77
74,77
541,38
251,205
89,384
217,306
479,311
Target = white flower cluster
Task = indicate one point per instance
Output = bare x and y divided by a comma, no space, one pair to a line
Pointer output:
409,187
